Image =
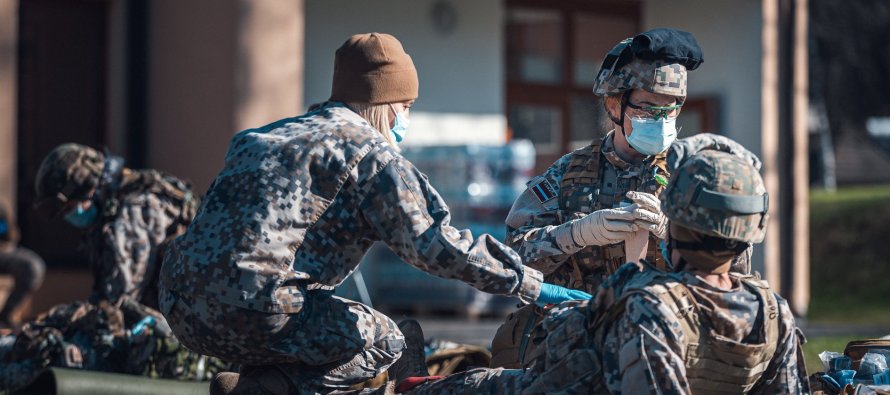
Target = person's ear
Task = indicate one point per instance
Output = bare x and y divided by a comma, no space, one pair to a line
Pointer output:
612,104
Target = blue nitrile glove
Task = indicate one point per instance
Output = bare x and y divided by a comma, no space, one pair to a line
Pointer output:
142,324
554,294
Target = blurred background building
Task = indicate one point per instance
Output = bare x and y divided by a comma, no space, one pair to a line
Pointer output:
166,83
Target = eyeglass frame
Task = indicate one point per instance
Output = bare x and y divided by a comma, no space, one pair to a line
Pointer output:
659,111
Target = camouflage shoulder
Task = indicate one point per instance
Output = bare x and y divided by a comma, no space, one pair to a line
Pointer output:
634,274
545,187
560,313
630,279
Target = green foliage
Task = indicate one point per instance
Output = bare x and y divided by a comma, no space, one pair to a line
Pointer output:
850,255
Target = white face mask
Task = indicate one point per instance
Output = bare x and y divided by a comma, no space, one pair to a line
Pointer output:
652,136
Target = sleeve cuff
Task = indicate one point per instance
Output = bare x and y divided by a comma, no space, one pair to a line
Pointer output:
530,287
562,234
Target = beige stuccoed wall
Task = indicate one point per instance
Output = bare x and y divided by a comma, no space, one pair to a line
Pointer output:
8,40
461,72
217,67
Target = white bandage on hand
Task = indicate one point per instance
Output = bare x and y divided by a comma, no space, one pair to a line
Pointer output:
647,213
604,227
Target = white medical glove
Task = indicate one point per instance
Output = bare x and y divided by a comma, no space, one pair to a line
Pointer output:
647,213
604,227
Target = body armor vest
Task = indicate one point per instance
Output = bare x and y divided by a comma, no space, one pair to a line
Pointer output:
589,185
714,364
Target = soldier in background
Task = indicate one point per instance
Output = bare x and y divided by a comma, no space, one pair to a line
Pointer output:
572,221
126,216
696,329
25,267
290,216
129,338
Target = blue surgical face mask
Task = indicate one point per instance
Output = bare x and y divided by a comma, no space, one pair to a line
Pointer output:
665,253
400,126
4,227
80,218
652,136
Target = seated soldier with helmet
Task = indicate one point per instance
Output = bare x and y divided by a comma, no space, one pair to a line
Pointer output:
697,328
578,220
126,216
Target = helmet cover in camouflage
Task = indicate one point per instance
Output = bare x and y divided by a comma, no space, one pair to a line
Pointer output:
68,173
656,61
655,76
718,194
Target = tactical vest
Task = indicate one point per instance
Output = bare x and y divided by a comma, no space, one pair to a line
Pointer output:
583,190
160,184
714,364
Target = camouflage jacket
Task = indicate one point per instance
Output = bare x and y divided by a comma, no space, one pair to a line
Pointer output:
299,202
588,179
102,337
644,349
146,209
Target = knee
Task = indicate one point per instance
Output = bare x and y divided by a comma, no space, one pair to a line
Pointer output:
30,271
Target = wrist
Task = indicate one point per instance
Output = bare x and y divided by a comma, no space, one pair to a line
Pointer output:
565,237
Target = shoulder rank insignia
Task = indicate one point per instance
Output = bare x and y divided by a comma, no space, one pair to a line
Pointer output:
543,190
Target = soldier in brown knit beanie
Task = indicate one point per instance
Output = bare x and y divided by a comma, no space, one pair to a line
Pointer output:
375,78
291,215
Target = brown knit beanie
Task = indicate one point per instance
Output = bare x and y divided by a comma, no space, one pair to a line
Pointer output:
373,68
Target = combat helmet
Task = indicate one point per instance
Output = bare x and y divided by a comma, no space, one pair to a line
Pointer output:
68,173
718,194
655,61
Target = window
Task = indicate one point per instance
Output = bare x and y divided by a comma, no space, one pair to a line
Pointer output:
554,50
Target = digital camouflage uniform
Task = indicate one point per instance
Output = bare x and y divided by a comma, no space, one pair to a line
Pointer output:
590,179
539,229
633,338
290,216
651,331
138,210
100,337
586,180
149,208
535,226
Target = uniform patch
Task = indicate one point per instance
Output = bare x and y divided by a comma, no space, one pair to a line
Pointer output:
543,190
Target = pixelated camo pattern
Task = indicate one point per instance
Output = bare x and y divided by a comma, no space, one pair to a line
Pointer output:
582,188
88,336
652,76
643,348
65,168
720,172
332,344
298,204
148,208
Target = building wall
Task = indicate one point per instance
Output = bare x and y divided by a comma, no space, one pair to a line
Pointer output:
217,67
8,48
732,70
461,72
732,67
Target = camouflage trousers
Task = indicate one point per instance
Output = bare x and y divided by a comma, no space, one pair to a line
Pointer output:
476,381
332,344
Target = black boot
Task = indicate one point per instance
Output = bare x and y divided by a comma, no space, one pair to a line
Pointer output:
412,363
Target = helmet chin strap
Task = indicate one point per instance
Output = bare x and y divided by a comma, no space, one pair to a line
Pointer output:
681,263
620,121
